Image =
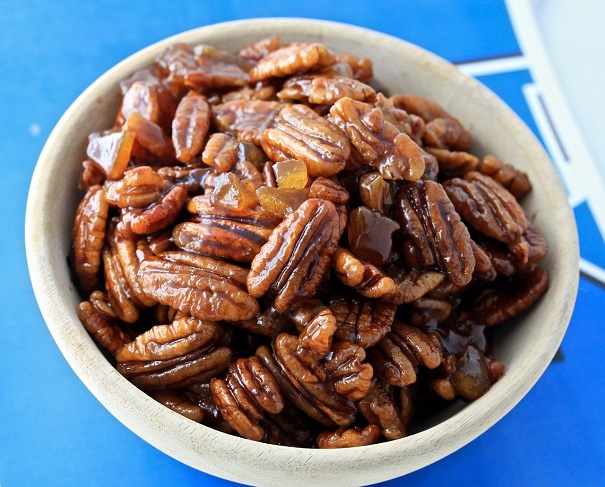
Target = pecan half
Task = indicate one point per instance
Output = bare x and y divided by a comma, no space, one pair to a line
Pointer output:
190,126
325,90
88,237
201,286
301,133
379,408
296,258
294,58
380,143
434,236
105,331
179,404
397,357
363,322
248,390
347,438
487,206
246,119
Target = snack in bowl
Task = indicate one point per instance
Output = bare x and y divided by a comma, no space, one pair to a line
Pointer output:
270,246
525,345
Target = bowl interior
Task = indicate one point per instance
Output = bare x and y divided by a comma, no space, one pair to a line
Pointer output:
525,346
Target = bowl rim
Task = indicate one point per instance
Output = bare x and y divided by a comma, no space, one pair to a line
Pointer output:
452,433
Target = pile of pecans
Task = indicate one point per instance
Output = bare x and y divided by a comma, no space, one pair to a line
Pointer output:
271,247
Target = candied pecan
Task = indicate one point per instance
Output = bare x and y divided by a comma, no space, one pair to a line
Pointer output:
201,286
129,252
248,390
190,125
397,356
415,284
347,438
508,176
380,143
191,178
260,91
330,387
484,269
224,232
259,49
105,331
325,90
179,404
317,325
363,322
88,237
139,187
370,234
220,152
366,278
300,133
465,375
290,428
215,70
379,408
292,264
175,62
454,163
506,298
199,393
246,119
447,133
159,214
434,237
487,206
362,68
92,175
427,109
294,58
142,98
328,189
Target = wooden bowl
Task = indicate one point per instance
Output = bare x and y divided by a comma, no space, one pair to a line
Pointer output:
525,346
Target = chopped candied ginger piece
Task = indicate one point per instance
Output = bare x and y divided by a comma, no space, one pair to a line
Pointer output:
291,174
111,150
232,192
281,201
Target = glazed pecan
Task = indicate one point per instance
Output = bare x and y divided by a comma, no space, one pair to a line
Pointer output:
454,163
434,237
269,323
447,133
215,70
364,322
201,286
151,143
487,206
347,438
248,391
220,152
296,258
193,179
119,293
506,298
223,232
375,192
259,49
300,133
92,175
362,68
246,119
88,237
179,404
380,143
325,90
328,189
105,331
514,180
379,408
174,355
139,187
158,215
190,126
294,58
397,356
317,326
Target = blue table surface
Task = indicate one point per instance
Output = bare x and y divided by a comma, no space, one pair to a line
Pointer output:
52,429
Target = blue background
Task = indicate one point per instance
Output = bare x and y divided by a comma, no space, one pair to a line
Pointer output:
54,432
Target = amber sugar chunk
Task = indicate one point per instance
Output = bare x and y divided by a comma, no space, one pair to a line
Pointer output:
281,201
291,174
370,234
232,192
111,150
